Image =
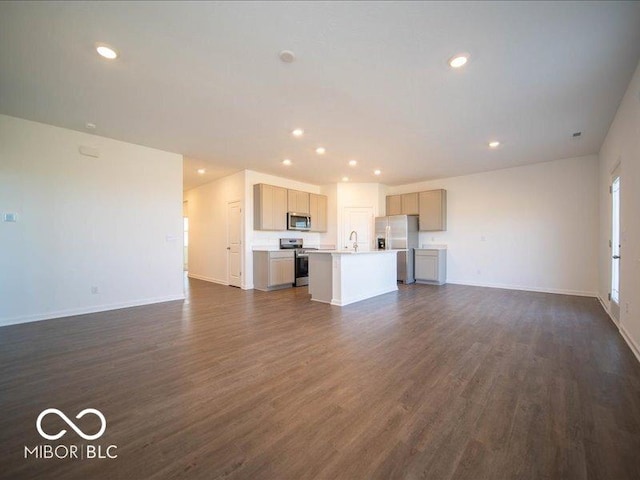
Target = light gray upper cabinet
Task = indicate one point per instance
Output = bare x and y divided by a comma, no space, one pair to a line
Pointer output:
410,204
433,210
394,205
405,204
269,207
318,212
298,202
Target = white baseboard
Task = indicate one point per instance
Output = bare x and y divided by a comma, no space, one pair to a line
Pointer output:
85,310
557,291
215,280
208,279
606,308
320,301
348,301
635,348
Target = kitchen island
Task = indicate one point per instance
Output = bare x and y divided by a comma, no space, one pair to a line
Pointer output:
341,277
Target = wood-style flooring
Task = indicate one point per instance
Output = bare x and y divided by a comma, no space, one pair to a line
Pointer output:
448,382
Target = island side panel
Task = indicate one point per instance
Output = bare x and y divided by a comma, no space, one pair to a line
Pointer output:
336,294
320,277
362,276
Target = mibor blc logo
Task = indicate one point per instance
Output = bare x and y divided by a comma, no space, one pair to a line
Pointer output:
44,413
71,451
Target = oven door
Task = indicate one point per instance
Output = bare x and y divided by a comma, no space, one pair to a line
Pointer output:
298,221
302,270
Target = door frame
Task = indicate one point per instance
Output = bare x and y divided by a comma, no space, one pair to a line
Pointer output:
614,307
185,245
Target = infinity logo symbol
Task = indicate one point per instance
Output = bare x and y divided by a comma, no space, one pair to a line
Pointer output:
46,412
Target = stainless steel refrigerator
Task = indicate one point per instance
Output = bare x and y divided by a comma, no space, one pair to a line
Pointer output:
399,232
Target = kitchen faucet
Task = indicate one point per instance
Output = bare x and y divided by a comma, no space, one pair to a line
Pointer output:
355,244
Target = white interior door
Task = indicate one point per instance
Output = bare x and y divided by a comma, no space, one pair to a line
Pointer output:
360,220
615,246
234,243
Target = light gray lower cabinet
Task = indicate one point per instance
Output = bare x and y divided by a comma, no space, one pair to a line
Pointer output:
431,266
273,270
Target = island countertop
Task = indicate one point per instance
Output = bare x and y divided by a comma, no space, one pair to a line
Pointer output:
351,252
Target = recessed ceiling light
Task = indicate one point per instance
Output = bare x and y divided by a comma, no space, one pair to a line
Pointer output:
377,172
201,171
287,56
106,51
286,162
320,150
298,132
353,163
90,126
345,179
459,60
494,144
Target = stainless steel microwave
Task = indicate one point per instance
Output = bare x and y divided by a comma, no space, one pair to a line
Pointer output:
298,221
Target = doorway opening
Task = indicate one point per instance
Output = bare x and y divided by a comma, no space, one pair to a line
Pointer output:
360,221
615,246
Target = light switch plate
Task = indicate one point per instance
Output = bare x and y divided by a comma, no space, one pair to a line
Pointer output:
89,151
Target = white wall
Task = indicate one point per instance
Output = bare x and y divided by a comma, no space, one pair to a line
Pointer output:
622,145
113,222
207,209
532,227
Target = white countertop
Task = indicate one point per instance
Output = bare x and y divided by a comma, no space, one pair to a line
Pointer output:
432,247
351,252
276,248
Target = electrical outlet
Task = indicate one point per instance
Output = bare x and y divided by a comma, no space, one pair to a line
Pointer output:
626,307
479,272
94,290
483,238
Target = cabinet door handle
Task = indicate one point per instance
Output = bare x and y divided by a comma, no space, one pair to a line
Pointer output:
616,257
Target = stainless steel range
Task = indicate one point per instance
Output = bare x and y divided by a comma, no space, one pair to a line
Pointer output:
301,259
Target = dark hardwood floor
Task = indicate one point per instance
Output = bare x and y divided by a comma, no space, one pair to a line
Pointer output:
429,382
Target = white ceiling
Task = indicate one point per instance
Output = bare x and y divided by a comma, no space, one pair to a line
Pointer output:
370,82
